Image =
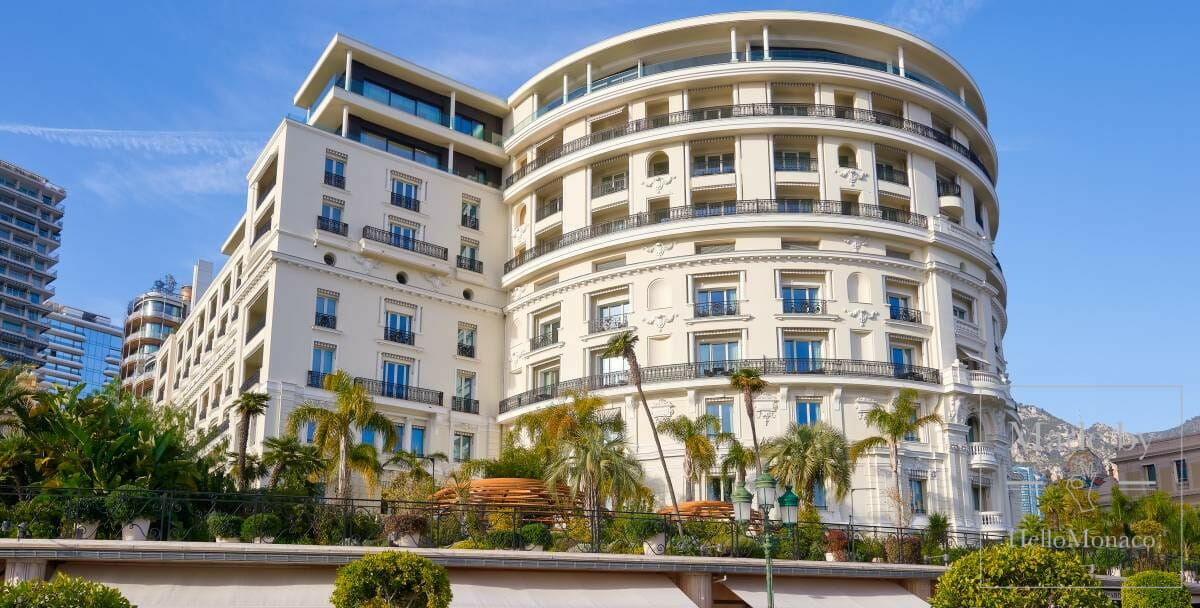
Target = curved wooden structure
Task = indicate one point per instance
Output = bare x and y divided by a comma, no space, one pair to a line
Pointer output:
501,492
715,509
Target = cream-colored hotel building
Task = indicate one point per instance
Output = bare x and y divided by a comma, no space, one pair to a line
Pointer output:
807,194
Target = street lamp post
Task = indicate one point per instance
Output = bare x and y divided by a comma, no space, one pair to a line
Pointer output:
766,489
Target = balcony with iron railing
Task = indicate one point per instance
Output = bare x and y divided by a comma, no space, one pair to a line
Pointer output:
383,388
805,306
721,369
903,313
543,340
469,263
609,323
408,243
608,187
890,174
336,180
405,202
719,169
254,328
466,350
465,404
331,225
945,188
470,221
548,208
399,336
795,164
725,308
321,319
651,68
752,110
711,210
250,381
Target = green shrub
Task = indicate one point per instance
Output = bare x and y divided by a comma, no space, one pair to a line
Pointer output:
128,503
683,545
224,525
391,578
868,548
88,508
42,516
1006,576
61,592
903,549
643,526
261,525
468,543
536,534
1176,596
402,524
502,539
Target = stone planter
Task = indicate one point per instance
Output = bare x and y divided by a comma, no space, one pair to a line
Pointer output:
228,539
535,548
86,530
655,545
830,556
1114,571
407,541
263,540
136,529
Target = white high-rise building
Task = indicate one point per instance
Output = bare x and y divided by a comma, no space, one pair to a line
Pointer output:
807,194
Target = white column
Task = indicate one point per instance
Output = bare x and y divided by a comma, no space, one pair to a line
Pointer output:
564,92
349,64
640,66
533,112
766,43
588,78
406,441
19,570
345,121
900,59
453,102
450,157
733,44
962,94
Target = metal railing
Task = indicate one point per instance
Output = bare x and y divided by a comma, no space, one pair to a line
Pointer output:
466,350
470,221
321,319
608,323
716,309
399,336
543,340
748,110
717,209
889,174
405,202
255,328
902,313
250,381
602,188
383,388
548,208
805,306
380,235
335,180
700,171
471,264
798,164
464,404
948,188
332,225
691,371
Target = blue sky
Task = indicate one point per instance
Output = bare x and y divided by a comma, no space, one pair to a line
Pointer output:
150,113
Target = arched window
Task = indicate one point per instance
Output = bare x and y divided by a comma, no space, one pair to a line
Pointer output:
658,164
857,289
520,216
847,157
658,294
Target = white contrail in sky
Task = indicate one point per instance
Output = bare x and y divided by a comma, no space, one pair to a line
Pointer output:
157,142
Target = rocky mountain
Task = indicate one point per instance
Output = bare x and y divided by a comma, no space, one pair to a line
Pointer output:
1054,446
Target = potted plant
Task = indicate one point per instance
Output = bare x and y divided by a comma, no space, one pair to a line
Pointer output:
87,513
536,536
405,529
261,528
651,529
835,545
224,527
129,507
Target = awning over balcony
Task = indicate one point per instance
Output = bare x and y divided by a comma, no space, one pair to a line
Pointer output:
498,589
823,593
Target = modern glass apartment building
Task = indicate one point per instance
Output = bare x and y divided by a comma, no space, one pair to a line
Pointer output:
809,195
31,217
1026,485
81,348
150,318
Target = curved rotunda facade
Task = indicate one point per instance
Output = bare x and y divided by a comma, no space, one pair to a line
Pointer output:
809,195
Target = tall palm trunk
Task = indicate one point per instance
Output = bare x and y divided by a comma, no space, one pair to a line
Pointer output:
689,473
748,399
243,438
276,473
635,375
894,458
343,468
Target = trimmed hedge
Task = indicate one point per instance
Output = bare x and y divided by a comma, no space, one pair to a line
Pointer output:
224,525
392,578
61,592
1175,597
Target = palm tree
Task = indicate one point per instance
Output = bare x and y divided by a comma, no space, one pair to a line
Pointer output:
737,460
699,446
596,466
548,427
807,455
248,406
288,459
18,387
893,426
750,382
334,433
621,345
414,464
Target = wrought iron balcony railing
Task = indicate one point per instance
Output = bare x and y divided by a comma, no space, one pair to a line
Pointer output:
386,389
715,369
466,350
543,340
716,309
464,404
471,264
398,336
548,208
888,174
321,319
335,180
405,202
902,313
332,225
470,221
708,210
608,323
805,306
404,242
945,188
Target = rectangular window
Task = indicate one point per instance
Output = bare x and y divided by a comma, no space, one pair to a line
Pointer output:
1149,472
978,497
310,431
399,438
465,385
466,336
801,354
418,441
468,250
609,264
916,493
395,379
720,488
913,436
331,212
326,305
322,360
548,377
716,302
403,190
470,126
807,412
1181,471
335,166
723,412
716,357
461,451
800,299
819,493
368,435
470,211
